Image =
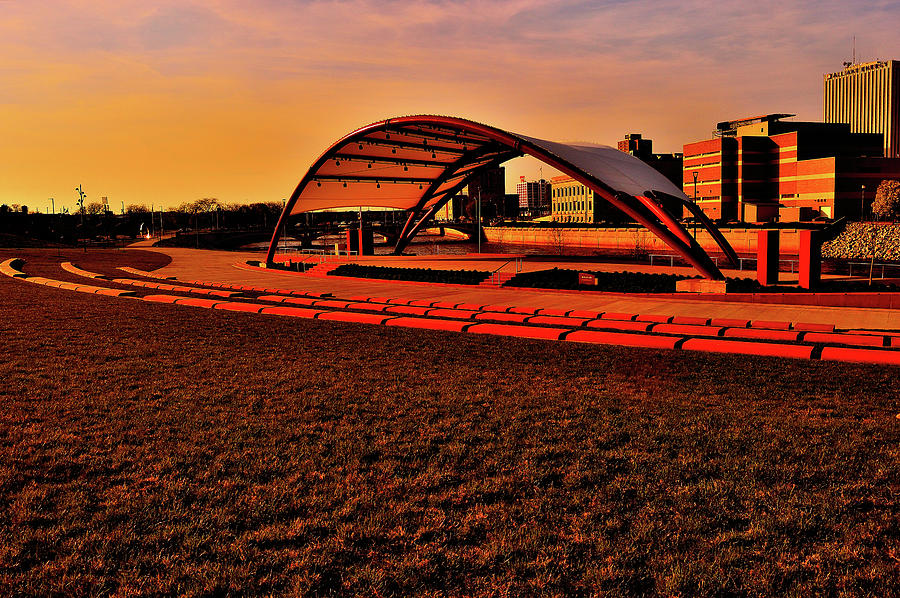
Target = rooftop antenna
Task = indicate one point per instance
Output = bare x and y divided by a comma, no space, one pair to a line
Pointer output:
854,49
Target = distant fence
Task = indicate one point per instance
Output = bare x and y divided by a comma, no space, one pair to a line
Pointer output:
880,270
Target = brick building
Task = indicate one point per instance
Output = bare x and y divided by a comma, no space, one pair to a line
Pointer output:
765,168
534,198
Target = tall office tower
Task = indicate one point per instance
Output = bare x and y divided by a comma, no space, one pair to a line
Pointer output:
534,197
867,97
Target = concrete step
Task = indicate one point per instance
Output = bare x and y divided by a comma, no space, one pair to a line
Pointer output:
322,269
496,279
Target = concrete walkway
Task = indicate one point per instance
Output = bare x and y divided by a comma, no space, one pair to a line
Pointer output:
192,264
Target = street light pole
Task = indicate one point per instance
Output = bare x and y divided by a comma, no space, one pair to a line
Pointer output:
81,196
695,173
862,203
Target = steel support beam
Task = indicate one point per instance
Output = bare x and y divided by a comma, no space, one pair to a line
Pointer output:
448,194
713,231
444,140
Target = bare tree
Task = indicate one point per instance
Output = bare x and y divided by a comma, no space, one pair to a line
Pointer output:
557,238
206,204
135,208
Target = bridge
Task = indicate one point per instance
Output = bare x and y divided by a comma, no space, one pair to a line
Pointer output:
391,232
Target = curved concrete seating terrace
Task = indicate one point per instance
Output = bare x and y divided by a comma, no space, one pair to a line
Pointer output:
8,269
648,330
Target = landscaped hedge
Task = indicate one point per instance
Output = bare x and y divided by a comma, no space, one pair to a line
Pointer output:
639,282
623,282
412,274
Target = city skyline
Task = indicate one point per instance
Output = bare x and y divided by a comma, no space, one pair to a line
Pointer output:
165,104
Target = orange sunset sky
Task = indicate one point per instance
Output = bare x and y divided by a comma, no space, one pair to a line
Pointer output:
164,102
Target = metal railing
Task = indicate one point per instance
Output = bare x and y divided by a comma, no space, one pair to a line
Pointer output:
874,266
495,275
668,255
313,257
741,261
672,257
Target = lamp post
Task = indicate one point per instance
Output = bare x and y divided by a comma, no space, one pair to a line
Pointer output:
862,203
695,173
81,196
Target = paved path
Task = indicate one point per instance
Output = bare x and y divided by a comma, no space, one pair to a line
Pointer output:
192,264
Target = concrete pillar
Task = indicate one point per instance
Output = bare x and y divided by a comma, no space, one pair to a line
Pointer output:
810,259
366,241
767,256
352,235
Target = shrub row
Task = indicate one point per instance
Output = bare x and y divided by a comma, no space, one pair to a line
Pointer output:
623,282
412,274
639,282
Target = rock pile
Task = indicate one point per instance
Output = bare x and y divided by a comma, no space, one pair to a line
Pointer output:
858,239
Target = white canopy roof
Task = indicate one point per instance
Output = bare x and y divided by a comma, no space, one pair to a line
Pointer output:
413,163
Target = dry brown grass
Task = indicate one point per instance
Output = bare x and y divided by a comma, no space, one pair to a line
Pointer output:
151,449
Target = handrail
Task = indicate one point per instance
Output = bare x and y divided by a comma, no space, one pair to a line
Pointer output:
870,265
518,262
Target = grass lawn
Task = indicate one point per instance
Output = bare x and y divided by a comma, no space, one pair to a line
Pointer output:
159,449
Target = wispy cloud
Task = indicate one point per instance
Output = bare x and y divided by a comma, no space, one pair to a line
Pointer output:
292,75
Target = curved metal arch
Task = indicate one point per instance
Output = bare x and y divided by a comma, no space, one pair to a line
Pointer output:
451,171
643,207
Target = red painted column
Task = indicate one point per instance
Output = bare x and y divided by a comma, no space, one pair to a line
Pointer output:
366,242
767,255
352,239
810,259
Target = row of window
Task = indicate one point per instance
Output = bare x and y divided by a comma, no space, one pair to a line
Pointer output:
570,206
571,191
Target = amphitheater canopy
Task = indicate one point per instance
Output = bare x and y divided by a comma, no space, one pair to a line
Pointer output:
408,162
418,163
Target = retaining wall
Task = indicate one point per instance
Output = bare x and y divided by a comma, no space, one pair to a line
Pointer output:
627,240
